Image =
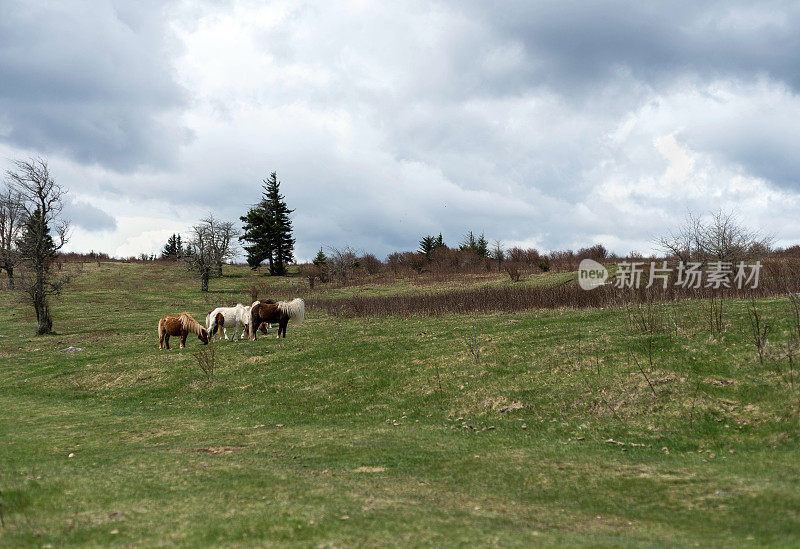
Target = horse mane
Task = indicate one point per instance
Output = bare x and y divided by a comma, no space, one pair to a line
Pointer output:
294,309
189,324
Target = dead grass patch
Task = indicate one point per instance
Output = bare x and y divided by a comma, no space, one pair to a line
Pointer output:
368,469
219,450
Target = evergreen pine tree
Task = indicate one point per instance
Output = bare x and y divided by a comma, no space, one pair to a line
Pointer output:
170,249
281,226
426,246
469,243
321,262
482,246
430,243
36,241
37,247
257,228
268,228
320,258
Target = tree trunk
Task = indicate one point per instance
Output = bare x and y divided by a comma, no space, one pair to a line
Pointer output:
204,280
219,269
10,271
42,314
40,304
45,322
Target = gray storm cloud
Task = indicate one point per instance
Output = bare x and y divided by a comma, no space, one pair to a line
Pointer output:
88,217
90,80
553,123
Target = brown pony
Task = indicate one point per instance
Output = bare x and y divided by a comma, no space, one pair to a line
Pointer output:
179,325
281,313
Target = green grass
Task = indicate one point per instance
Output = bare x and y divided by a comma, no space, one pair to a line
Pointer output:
387,431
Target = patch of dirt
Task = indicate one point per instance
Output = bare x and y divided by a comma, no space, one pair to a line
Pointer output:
499,405
722,382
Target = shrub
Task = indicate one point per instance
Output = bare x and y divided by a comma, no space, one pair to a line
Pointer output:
513,270
311,272
371,264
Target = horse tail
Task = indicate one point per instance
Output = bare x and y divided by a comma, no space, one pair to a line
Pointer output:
160,331
294,309
210,320
251,329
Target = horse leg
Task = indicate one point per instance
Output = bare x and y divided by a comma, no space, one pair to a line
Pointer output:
183,339
166,341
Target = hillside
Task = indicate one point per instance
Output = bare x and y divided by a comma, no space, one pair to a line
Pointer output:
613,426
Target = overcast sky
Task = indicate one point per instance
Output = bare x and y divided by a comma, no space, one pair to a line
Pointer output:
548,124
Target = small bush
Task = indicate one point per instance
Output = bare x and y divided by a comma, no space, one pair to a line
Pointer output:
311,272
258,290
206,360
513,270
371,264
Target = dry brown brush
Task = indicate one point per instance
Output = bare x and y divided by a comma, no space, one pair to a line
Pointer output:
489,299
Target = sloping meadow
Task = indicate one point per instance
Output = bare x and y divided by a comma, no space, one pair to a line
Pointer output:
635,423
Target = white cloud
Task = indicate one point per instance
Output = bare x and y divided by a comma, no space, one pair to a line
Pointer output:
388,122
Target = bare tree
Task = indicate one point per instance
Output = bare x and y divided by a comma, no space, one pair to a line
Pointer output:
11,218
498,253
683,242
342,263
720,237
211,244
724,238
41,203
223,244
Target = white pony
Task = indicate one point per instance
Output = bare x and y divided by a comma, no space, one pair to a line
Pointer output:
232,317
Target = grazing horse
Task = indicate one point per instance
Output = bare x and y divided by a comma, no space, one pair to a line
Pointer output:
281,312
221,319
179,325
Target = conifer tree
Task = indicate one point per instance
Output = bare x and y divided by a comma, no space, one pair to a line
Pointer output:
173,248
268,229
321,262
430,243
281,230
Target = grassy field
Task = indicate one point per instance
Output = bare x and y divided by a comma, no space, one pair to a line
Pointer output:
568,428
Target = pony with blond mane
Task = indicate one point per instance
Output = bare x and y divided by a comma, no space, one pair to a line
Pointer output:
179,325
281,313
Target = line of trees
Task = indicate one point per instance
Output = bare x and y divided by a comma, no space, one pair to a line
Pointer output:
33,233
212,242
